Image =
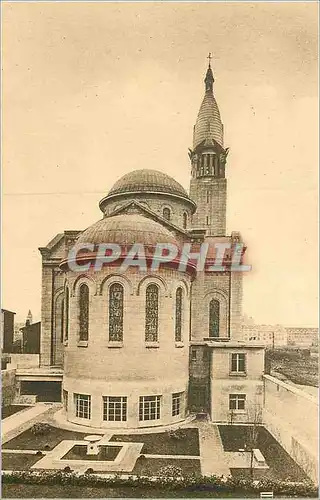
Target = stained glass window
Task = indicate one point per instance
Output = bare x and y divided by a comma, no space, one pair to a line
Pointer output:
116,312
66,330
178,325
84,312
152,313
214,318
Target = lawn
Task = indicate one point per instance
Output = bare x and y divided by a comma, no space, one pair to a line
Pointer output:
153,466
15,461
161,443
28,441
282,466
7,411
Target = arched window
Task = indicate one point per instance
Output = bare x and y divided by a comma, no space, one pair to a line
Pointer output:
66,315
84,312
116,312
152,313
214,318
62,320
185,220
166,213
178,324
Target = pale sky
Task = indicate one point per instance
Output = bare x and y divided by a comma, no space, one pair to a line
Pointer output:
94,90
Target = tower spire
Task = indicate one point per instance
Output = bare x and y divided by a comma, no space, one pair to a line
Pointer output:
209,79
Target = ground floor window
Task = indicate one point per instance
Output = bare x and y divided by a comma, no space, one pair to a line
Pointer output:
237,401
83,405
149,407
65,399
177,403
115,408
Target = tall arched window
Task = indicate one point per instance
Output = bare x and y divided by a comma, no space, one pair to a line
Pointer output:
185,219
166,213
116,312
66,303
84,312
152,313
214,318
178,323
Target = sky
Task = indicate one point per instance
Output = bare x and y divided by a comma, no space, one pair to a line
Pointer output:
92,91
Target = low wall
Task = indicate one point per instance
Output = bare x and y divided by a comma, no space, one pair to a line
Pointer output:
25,360
291,416
8,389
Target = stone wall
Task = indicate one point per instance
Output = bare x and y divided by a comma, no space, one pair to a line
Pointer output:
8,386
24,360
177,206
291,416
210,195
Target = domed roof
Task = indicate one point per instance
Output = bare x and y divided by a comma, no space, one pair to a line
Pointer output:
147,180
127,229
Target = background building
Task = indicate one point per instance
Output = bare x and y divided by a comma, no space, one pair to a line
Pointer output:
7,330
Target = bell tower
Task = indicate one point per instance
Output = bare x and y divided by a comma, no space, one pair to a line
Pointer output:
208,185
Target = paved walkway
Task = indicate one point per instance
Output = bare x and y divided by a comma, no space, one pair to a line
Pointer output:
21,421
213,458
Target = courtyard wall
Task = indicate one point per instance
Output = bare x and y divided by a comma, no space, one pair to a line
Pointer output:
291,416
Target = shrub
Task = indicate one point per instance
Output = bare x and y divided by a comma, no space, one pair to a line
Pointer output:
173,481
40,429
170,471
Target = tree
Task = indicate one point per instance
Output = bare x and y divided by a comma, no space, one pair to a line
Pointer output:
254,421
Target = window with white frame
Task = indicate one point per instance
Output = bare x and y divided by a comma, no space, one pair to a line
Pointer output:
237,401
177,403
83,405
238,362
115,408
149,407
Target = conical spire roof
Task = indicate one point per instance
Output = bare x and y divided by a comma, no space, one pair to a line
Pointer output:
208,126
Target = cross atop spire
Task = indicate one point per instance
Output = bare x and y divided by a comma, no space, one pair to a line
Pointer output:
209,79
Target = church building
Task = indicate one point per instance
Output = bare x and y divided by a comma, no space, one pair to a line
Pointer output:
138,349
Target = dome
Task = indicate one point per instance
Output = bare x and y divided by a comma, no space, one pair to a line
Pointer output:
150,181
127,229
208,124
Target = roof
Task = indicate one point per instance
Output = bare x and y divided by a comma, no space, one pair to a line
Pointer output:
127,229
147,181
208,125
